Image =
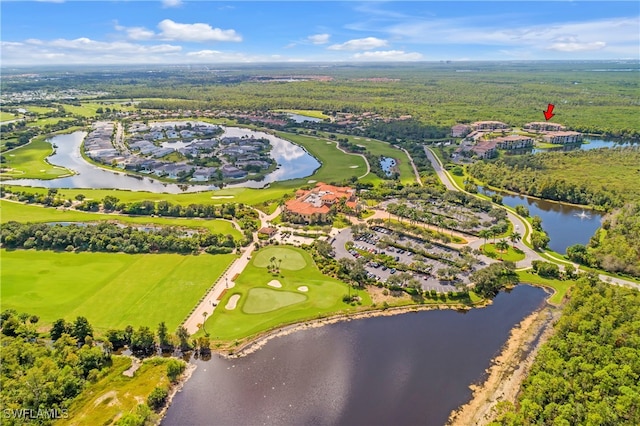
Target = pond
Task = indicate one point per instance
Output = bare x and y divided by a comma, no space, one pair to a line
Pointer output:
298,118
589,144
406,369
293,162
387,164
566,225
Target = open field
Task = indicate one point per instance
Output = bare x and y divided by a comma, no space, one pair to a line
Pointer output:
101,403
11,211
112,290
28,161
7,116
262,307
561,287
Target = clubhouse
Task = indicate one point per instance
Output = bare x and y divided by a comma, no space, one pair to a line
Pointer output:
314,205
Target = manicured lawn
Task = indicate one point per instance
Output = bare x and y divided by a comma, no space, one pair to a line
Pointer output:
6,116
262,307
112,290
385,149
336,165
284,257
262,300
31,213
39,110
28,161
512,254
560,287
101,403
41,122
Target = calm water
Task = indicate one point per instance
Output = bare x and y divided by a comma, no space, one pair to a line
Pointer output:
298,118
565,225
588,145
401,370
387,164
293,162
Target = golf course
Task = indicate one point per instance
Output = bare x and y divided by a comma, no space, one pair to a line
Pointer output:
281,285
112,290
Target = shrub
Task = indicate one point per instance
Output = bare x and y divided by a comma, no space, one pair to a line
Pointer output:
157,398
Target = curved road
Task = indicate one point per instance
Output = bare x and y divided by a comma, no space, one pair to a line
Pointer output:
519,225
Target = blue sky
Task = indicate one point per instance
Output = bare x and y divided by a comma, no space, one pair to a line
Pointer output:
178,31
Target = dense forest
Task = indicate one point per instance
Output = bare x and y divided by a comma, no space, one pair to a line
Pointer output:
601,177
106,237
588,372
437,94
616,246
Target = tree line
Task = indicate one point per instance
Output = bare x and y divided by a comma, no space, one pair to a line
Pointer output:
587,373
107,237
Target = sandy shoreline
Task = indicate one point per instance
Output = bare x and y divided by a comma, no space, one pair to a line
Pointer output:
177,387
508,369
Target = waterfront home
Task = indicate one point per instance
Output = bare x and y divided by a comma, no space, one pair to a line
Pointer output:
563,137
229,171
485,149
489,125
543,126
514,142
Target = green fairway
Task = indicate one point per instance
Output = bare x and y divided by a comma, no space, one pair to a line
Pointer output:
41,122
39,110
285,258
262,307
337,166
112,290
29,213
29,162
88,109
7,116
261,300
385,149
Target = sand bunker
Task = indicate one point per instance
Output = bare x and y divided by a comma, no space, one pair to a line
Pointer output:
311,181
353,167
232,303
275,283
217,197
303,288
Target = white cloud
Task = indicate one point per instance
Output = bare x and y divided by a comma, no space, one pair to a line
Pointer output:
577,47
389,55
171,3
319,38
367,43
198,32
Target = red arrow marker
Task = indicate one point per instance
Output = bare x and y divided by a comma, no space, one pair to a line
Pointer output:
549,112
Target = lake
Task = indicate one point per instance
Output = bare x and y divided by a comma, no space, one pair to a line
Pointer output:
566,225
407,369
387,164
293,162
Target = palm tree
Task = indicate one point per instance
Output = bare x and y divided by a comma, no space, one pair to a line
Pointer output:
515,237
502,246
484,234
204,320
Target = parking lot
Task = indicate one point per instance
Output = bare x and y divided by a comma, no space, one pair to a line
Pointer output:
380,272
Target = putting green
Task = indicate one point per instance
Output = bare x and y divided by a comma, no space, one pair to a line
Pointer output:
291,259
261,300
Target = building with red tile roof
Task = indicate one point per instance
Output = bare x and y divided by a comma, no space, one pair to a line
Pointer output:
314,205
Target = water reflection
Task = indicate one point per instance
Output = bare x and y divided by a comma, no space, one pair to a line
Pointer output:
566,225
293,162
405,369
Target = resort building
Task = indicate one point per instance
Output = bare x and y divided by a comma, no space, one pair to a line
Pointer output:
460,130
314,205
513,142
543,126
485,149
489,125
563,137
